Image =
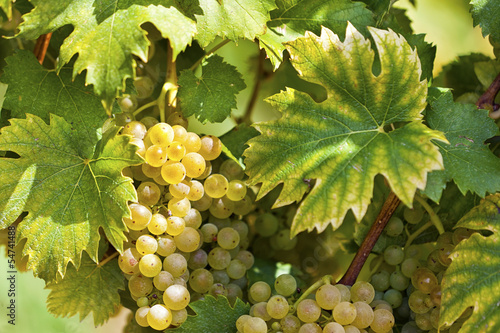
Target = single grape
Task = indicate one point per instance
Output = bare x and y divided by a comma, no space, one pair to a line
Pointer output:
201,280
176,118
424,280
413,215
175,225
231,170
179,316
216,185
344,313
188,240
398,281
393,297
128,261
333,327
175,264
211,147
158,224
196,191
290,324
394,227
240,322
228,238
362,291
146,244
266,225
345,292
176,297
409,266
163,280
140,285
236,269
255,325
364,315
192,142
179,207
194,164
180,190
260,291
166,245
136,129
260,310
173,172
383,321
218,289
140,217
285,285
221,208
209,232
149,121
161,134
310,328
309,311
159,317
141,316
156,155
219,258
328,297
198,259
150,265
418,302
394,255
381,280
144,86
236,190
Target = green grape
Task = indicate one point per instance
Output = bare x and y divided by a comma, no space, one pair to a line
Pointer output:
211,147
128,104
394,255
383,321
166,245
433,317
344,313
327,296
218,289
148,193
362,291
285,285
345,292
460,234
418,302
276,326
220,222
202,204
192,142
220,276
176,151
158,224
260,291
159,317
381,280
236,269
231,170
364,315
233,292
277,307
156,155
137,173
423,321
221,208
240,322
173,172
188,240
149,121
236,190
228,238
266,225
128,261
140,285
244,206
351,329
201,280
150,265
219,258
150,171
310,328
413,215
410,327
424,280
290,324
433,262
216,186
398,281
136,129
175,225
175,264
413,251
194,164
309,311
179,316
161,134
135,234
198,259
180,190
146,244
282,240
176,118
381,304
196,191
209,232
176,297
409,266
393,297
160,181
163,280
444,239
241,227
141,316
179,207
255,325
436,295
260,310
180,133
144,86
140,217
142,148
207,172
394,227
333,327
444,253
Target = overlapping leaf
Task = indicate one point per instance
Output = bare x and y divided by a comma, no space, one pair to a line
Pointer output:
473,278
108,37
6,6
68,194
211,96
467,160
486,13
213,315
345,141
91,288
232,19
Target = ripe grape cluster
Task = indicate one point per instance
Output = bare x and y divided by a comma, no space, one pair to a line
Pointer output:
331,308
182,242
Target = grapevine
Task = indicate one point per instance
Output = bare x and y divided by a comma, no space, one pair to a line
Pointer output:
249,167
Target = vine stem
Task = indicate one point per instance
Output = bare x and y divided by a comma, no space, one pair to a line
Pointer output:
433,216
42,43
105,261
324,280
145,106
246,117
487,100
212,50
414,235
168,94
390,205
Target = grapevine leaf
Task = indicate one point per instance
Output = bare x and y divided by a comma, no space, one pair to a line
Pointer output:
346,140
467,160
211,96
6,6
213,315
426,54
232,19
39,91
69,195
378,7
235,140
486,13
472,282
90,288
293,18
109,37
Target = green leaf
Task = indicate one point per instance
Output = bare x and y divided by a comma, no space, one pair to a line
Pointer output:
109,37
6,6
486,13
346,140
91,288
68,194
211,96
213,315
236,139
472,282
39,91
426,54
467,160
232,19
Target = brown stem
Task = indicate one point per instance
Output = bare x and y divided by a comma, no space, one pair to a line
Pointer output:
42,43
390,205
255,93
487,100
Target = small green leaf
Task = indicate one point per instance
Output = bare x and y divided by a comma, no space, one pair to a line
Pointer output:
472,282
486,13
236,139
232,19
211,96
467,160
91,288
68,194
109,37
346,140
6,6
213,315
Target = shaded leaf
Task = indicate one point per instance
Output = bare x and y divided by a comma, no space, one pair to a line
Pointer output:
213,315
211,96
68,194
236,139
109,37
345,141
472,282
467,159
6,6
486,13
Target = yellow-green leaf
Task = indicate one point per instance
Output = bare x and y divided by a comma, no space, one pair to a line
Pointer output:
343,142
473,278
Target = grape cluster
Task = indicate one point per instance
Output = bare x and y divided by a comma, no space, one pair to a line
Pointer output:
182,242
329,309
